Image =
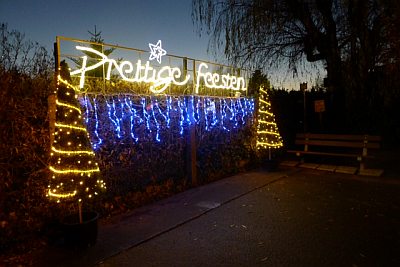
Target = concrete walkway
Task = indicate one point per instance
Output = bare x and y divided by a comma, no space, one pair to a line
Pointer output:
293,217
306,218
148,222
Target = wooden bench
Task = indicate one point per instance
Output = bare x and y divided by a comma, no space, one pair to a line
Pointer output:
337,145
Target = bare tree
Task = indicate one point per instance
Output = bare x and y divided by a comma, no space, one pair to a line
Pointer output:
22,55
350,37
260,33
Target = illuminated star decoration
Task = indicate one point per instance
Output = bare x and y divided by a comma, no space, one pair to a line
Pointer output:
156,51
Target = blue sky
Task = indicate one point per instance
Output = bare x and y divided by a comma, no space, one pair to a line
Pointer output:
131,23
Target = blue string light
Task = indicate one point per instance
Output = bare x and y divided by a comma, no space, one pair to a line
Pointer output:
121,118
154,103
245,108
205,109
168,118
112,110
187,111
223,108
241,112
145,114
192,111
213,111
198,112
132,118
96,128
233,116
165,116
85,100
126,114
182,117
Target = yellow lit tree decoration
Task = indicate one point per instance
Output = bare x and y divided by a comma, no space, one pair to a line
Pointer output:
268,136
75,174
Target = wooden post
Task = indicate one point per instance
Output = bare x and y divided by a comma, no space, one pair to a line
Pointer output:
306,142
194,77
303,88
57,55
51,101
305,146
191,152
185,67
364,153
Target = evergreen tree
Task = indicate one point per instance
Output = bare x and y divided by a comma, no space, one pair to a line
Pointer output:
267,131
75,172
257,80
97,43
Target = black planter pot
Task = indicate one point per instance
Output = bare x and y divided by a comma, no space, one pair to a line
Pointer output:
81,234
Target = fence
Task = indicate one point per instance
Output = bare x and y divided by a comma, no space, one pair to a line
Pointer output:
139,137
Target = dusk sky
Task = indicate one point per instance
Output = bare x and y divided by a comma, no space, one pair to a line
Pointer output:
133,23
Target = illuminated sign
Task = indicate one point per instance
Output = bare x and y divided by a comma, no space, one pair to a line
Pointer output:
156,52
159,79
217,81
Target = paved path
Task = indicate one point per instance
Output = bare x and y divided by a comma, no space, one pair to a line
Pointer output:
145,223
294,217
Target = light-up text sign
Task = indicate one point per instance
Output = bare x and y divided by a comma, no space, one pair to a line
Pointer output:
159,79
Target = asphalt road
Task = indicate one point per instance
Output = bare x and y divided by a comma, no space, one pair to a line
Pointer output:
310,218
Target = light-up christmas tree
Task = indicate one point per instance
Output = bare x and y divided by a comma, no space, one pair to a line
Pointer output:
75,175
268,136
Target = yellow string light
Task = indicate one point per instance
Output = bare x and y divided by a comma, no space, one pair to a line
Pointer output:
89,152
74,170
265,102
263,91
265,112
267,122
268,132
267,127
266,144
68,105
68,84
70,126
61,195
62,173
